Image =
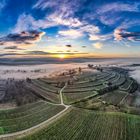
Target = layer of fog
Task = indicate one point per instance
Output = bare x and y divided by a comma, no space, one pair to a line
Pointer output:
135,73
32,71
44,70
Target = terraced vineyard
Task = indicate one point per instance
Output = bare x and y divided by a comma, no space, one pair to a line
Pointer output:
45,90
81,124
99,84
114,97
92,101
72,97
26,116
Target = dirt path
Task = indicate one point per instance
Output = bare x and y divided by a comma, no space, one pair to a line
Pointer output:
19,134
61,97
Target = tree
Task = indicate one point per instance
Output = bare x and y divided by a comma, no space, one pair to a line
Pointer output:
109,84
80,70
90,66
28,80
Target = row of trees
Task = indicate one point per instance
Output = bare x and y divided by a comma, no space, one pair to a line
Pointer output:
99,68
16,91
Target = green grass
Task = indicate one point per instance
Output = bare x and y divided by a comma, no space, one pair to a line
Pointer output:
114,97
120,81
91,103
81,124
70,98
26,116
47,87
90,83
1,130
127,85
42,90
97,84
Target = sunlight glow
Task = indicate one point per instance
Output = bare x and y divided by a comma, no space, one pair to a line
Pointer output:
61,56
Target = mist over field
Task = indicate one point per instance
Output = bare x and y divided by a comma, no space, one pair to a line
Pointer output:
46,60
33,71
42,68
136,73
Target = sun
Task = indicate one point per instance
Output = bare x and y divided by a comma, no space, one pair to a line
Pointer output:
61,56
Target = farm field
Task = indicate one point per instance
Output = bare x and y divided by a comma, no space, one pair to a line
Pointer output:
114,97
72,97
94,102
100,83
26,116
80,123
44,90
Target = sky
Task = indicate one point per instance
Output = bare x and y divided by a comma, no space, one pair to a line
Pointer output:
70,28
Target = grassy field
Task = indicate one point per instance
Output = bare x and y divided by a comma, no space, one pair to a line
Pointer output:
81,124
26,116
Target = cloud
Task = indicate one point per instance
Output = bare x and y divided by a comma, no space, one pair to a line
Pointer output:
50,54
80,31
97,45
88,28
10,54
60,19
122,34
77,52
13,48
84,46
115,13
117,34
72,33
22,39
95,37
68,51
60,51
111,19
69,46
66,6
119,7
27,22
41,4
63,12
37,52
128,23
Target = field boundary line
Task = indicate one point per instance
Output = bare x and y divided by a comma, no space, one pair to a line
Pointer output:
124,98
19,134
23,133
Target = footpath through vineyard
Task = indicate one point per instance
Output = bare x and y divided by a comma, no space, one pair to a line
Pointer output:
13,136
